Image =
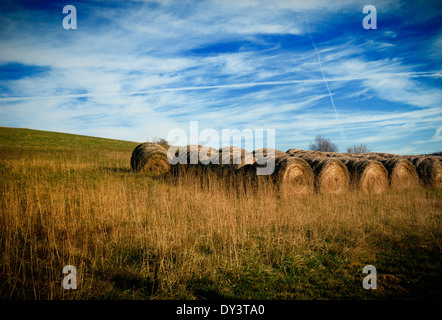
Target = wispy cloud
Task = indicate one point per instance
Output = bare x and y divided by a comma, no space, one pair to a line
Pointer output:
137,69
384,78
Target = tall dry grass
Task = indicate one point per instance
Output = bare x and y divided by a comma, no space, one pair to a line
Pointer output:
135,236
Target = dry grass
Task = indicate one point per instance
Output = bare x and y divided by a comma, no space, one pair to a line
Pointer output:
136,236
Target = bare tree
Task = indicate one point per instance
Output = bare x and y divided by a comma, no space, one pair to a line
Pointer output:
161,141
362,148
323,144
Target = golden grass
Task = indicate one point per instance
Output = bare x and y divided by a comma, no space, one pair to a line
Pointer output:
135,236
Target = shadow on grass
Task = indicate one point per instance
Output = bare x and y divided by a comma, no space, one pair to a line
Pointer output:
128,285
410,270
126,281
205,289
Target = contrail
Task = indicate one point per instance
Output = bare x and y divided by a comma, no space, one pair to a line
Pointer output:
432,74
326,84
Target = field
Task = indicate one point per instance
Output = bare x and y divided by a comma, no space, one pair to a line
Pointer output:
73,200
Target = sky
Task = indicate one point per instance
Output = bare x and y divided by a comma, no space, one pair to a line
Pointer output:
135,70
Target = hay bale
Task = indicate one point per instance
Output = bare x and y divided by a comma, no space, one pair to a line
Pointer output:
331,175
368,176
192,158
292,175
429,170
233,158
365,170
401,173
367,156
151,158
194,154
193,165
244,177
309,153
375,155
384,155
261,154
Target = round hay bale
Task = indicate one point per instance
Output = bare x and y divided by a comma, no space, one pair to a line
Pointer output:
428,169
192,158
331,175
292,175
194,154
262,157
367,156
233,157
380,155
151,158
401,173
309,153
261,154
246,177
371,155
332,154
368,176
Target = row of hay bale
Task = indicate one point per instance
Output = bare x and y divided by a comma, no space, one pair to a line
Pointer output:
291,174
366,175
297,171
404,172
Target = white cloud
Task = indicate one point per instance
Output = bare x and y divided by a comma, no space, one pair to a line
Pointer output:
438,135
138,75
390,79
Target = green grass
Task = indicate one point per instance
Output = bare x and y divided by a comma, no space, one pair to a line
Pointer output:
28,139
69,199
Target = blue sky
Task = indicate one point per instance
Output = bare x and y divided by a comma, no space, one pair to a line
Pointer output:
134,70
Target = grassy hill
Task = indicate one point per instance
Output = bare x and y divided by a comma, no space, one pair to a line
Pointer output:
28,138
73,200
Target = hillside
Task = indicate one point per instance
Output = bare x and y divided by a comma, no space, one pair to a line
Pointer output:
28,139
